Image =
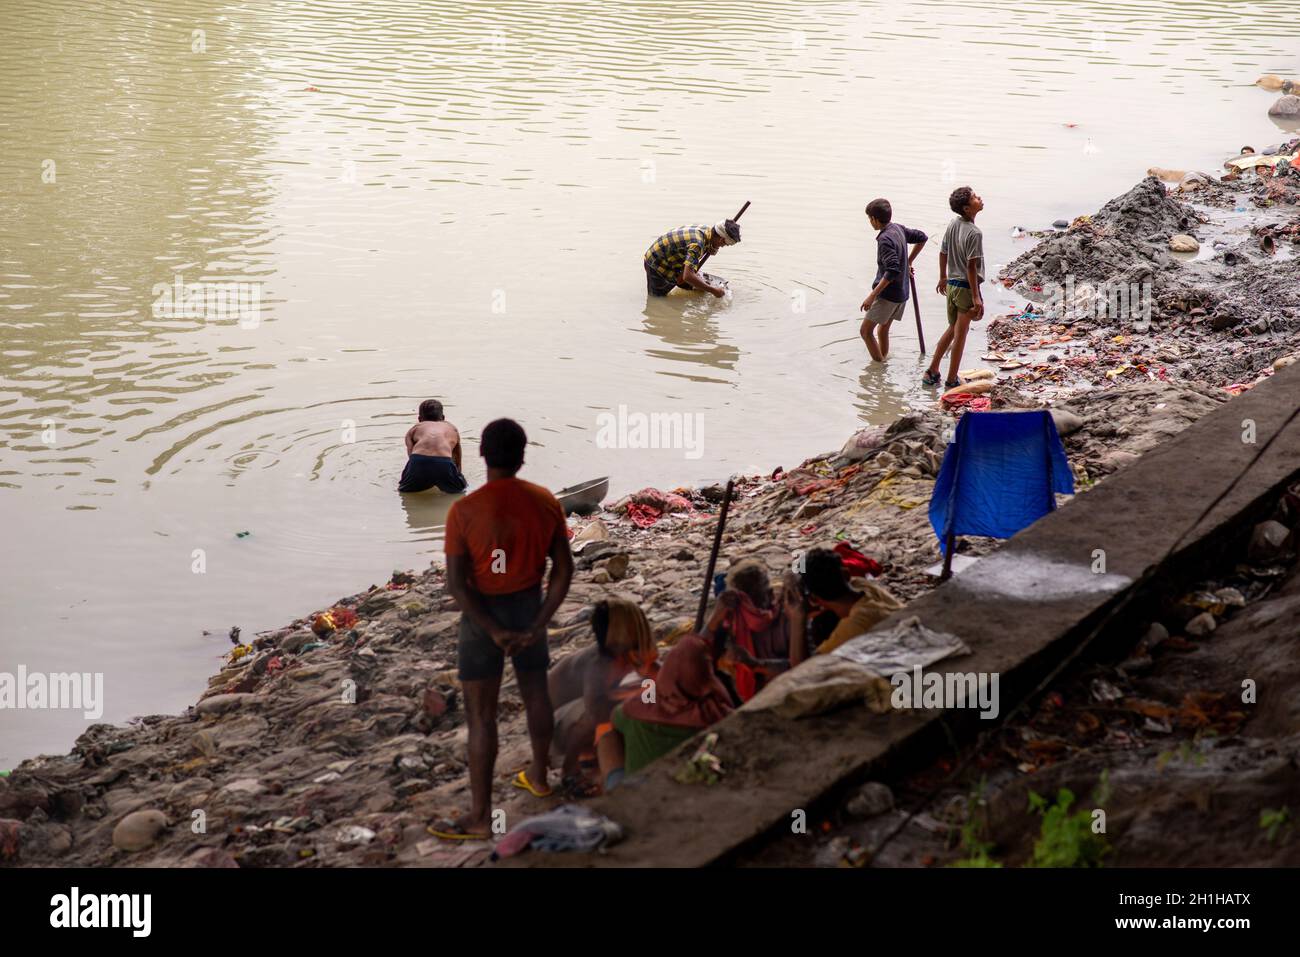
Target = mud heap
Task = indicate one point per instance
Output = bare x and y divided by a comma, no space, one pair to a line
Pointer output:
1126,240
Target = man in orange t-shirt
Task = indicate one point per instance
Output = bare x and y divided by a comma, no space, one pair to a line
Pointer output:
497,541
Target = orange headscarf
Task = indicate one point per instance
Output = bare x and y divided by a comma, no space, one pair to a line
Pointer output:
688,693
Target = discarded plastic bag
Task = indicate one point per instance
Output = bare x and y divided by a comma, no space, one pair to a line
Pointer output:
862,442
822,683
570,827
906,645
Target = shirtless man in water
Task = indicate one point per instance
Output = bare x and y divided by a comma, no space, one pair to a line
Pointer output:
433,453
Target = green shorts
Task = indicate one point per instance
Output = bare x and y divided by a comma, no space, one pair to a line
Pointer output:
644,741
959,300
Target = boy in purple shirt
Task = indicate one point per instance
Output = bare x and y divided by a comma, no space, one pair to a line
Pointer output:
884,304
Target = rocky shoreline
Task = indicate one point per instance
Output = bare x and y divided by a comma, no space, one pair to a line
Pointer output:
334,740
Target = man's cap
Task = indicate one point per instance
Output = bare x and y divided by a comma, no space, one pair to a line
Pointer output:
728,232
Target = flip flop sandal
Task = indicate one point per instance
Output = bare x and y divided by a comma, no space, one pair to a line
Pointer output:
521,781
952,383
455,831
929,379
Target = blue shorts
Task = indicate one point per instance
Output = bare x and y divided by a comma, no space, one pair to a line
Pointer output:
429,471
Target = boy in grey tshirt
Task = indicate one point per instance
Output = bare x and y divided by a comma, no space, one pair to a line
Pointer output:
961,270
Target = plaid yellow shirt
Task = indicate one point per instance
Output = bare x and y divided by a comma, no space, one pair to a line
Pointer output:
673,250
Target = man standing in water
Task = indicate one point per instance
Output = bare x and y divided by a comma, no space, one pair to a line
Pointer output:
432,453
497,541
888,297
961,270
673,260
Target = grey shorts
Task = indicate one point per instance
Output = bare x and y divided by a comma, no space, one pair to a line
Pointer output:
480,658
883,312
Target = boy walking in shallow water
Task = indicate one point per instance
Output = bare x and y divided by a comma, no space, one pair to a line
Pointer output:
961,270
888,297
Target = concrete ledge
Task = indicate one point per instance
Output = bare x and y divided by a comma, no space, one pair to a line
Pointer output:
1021,610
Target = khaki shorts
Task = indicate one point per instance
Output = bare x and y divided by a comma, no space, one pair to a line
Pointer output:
959,300
883,312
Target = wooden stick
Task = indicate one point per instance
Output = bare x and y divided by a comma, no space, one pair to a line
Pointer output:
713,555
916,307
705,257
949,546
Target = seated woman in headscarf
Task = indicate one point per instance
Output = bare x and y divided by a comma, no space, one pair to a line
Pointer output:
585,686
753,625
686,698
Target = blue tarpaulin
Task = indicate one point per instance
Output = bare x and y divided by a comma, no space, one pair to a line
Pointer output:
999,475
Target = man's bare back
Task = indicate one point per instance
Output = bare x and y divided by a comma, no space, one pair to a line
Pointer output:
434,438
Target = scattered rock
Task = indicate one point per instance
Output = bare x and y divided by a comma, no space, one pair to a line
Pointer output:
138,830
381,599
1288,105
1182,243
871,800
210,857
1117,459
615,567
1067,423
10,838
1201,625
1268,541
1156,634
222,703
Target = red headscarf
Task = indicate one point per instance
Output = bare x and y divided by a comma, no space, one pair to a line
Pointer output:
745,621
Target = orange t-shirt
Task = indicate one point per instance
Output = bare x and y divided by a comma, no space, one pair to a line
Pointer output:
506,528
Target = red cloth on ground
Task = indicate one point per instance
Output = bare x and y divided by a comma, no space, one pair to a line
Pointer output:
856,565
643,516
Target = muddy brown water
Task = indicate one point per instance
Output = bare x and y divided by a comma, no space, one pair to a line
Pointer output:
416,199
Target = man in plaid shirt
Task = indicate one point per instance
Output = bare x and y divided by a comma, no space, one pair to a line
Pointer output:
674,258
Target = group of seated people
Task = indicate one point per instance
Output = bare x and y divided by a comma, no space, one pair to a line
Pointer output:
618,707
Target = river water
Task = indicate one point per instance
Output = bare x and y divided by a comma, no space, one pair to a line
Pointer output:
418,199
